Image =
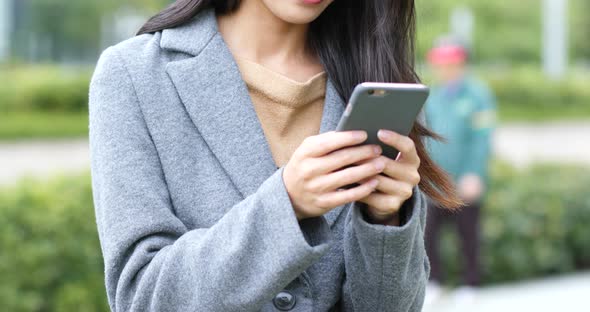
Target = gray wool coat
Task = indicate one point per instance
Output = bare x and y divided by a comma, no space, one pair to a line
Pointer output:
192,212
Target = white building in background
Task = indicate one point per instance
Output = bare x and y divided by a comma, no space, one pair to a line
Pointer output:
5,28
555,38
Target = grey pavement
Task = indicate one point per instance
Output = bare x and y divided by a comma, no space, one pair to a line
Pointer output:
569,293
42,159
519,144
560,142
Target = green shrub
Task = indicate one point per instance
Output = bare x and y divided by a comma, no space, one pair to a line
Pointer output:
42,125
525,93
535,223
529,91
50,258
44,88
504,30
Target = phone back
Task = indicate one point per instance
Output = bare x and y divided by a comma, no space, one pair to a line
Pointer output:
375,106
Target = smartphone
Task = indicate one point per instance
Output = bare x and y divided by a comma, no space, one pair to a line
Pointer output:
375,105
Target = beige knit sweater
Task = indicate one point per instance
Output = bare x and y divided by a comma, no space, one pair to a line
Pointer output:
288,110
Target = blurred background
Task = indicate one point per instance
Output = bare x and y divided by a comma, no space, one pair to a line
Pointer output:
533,54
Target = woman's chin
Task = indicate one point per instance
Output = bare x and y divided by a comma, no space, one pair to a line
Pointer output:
297,11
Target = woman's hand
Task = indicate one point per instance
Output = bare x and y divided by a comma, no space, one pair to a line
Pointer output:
397,183
314,174
471,187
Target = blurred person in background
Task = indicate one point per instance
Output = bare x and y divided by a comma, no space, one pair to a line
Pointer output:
462,110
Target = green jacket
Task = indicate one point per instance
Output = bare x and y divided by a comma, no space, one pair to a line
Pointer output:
464,113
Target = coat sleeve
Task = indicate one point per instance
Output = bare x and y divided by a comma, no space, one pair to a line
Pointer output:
386,267
152,261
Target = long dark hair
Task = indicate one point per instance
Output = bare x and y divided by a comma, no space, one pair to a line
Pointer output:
356,41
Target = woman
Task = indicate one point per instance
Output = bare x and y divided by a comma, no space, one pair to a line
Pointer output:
216,173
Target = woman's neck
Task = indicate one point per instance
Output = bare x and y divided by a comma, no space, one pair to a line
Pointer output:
253,32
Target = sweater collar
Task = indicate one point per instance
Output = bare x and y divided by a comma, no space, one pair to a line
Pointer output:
279,88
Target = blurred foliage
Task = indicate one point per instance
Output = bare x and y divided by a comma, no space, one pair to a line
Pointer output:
519,90
72,28
56,97
534,224
49,101
44,88
41,125
524,93
50,259
580,29
67,23
42,101
505,31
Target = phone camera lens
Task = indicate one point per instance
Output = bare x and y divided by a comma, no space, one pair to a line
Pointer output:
371,92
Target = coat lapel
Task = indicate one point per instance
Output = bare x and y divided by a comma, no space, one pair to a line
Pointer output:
219,105
216,98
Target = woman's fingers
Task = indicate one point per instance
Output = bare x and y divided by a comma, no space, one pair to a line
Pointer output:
322,144
382,204
394,187
342,196
402,143
324,163
348,175
400,171
345,157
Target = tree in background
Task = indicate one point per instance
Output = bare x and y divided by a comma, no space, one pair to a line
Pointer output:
505,31
66,31
580,30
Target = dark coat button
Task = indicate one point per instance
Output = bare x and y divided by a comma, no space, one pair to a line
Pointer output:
284,301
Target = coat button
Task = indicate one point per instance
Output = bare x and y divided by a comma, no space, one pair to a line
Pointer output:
284,301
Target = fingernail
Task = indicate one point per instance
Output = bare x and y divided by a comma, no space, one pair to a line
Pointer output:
385,134
374,183
379,165
359,135
377,149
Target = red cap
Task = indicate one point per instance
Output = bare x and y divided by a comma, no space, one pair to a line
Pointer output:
447,54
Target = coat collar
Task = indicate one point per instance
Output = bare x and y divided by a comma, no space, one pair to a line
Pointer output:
217,99
191,37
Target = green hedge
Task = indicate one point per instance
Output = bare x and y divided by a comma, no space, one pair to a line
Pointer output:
535,223
509,30
521,92
44,88
50,258
504,30
17,126
525,93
